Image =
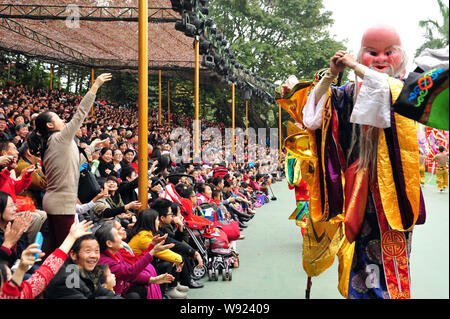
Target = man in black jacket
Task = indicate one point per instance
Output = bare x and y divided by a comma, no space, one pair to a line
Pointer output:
76,279
4,134
128,185
166,225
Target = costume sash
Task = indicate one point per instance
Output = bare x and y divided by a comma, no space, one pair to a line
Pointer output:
395,253
356,192
326,195
398,169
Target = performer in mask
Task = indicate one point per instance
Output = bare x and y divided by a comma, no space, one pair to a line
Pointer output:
365,196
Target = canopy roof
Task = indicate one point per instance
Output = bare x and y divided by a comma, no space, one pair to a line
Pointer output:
103,34
99,34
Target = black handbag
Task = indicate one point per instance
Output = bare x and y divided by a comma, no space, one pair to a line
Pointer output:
88,187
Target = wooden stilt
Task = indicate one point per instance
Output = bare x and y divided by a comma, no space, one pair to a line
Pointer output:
308,288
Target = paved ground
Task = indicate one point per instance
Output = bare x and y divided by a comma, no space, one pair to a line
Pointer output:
271,256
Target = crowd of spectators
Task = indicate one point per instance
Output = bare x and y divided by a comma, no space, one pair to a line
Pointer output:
111,248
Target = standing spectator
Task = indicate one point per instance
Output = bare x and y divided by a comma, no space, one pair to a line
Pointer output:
54,142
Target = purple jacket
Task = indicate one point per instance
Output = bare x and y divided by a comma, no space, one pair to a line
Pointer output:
129,274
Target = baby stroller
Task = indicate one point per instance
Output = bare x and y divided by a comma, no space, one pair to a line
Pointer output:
196,229
217,240
213,245
210,241
220,256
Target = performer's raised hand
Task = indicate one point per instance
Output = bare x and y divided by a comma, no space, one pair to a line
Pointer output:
336,65
348,60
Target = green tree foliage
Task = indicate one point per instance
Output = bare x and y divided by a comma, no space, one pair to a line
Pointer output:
276,38
436,32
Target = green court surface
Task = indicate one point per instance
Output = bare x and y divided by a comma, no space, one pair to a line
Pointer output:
270,256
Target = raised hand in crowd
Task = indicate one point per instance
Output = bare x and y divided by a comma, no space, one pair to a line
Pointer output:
15,230
100,142
27,260
99,81
153,167
5,160
162,279
157,189
133,205
77,230
28,170
158,244
103,194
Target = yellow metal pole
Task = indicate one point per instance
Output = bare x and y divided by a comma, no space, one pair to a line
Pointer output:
196,98
92,83
160,115
168,102
143,104
246,115
51,78
279,129
233,115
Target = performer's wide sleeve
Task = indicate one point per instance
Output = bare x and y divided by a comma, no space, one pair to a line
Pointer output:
312,112
373,103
